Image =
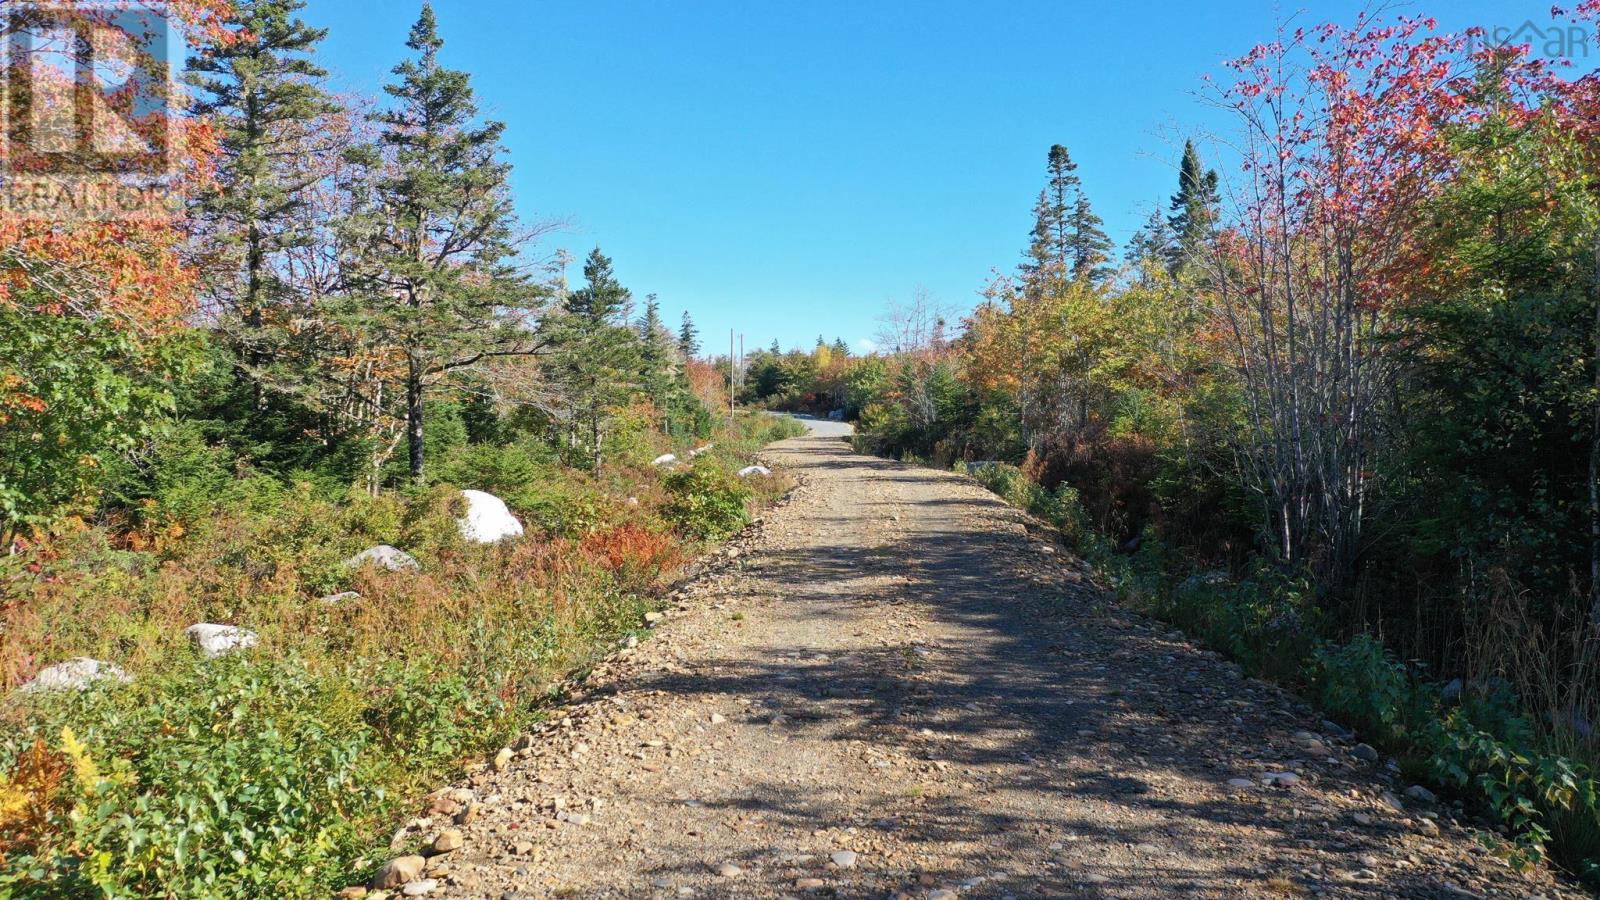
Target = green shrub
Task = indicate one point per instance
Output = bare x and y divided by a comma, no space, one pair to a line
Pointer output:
238,778
706,502
1519,787
1361,683
498,469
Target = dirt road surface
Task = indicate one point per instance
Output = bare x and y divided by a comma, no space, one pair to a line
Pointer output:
897,686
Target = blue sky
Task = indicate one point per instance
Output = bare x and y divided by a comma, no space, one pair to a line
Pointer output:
786,168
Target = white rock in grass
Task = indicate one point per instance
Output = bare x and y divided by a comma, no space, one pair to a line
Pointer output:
701,450
747,471
341,597
75,675
220,640
665,459
384,557
487,520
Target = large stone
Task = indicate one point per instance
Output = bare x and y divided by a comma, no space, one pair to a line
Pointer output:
748,471
698,451
448,840
384,557
487,520
665,459
1418,792
75,675
220,640
399,871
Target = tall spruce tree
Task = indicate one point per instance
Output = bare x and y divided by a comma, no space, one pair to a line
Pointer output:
1041,250
266,96
1062,191
599,355
1089,247
840,348
658,369
1194,210
688,337
437,272
1067,238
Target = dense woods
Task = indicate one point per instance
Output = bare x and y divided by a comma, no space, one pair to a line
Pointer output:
1336,411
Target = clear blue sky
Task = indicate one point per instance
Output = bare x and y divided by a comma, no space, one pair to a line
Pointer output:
787,167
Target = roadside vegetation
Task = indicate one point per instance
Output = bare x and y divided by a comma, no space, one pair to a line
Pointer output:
1337,415
204,419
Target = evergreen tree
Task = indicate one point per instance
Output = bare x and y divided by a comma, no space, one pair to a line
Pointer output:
1194,210
437,234
1089,249
1040,251
1067,237
602,300
599,358
1151,243
659,371
1062,192
265,96
650,325
840,348
688,337
1049,246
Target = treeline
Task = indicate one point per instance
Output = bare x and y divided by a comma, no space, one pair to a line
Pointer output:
1350,396
349,287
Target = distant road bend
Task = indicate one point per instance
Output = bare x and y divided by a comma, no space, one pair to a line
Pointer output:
898,686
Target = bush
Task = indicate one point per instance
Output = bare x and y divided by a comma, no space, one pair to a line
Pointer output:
705,502
273,772
237,778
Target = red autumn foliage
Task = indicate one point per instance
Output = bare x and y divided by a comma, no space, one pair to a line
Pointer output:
630,546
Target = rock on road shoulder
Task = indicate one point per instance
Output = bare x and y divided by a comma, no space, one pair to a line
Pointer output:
895,685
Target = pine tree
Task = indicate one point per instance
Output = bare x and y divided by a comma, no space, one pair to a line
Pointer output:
437,234
265,95
688,337
840,348
1194,210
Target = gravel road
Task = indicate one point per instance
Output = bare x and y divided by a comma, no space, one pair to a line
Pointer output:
897,686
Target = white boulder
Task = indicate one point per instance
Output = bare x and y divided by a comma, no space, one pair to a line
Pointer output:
748,471
665,459
384,557
701,450
341,597
487,520
220,640
75,675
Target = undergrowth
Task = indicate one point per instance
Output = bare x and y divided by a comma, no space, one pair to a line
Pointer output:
277,770
1475,742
